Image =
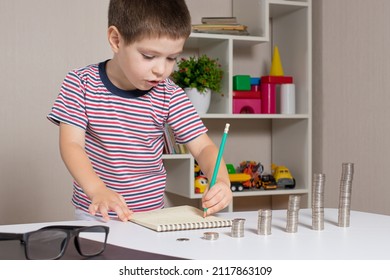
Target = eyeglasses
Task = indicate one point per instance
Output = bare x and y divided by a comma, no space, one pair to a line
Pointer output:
50,243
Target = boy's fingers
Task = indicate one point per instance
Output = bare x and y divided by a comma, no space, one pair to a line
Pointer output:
122,213
92,209
215,201
104,212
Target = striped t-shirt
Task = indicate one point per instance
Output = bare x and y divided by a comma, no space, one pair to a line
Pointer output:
124,132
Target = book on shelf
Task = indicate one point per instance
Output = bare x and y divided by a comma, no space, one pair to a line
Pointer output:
226,32
178,218
219,27
232,28
219,20
170,145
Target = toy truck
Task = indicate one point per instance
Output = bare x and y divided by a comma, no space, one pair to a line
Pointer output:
239,181
242,180
283,176
268,182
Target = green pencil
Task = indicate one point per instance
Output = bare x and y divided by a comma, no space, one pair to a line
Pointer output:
218,162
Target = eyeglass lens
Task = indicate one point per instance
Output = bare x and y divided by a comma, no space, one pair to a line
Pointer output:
46,244
92,241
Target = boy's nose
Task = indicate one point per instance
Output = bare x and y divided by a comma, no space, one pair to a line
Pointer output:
159,69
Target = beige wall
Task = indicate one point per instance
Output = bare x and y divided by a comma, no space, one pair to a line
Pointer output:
351,58
42,39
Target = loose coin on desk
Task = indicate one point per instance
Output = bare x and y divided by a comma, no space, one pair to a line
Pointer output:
183,239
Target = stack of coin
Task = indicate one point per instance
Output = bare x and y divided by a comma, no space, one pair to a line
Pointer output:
210,235
292,213
264,222
317,204
238,227
345,194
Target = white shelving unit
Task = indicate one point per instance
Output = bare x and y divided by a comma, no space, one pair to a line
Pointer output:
265,138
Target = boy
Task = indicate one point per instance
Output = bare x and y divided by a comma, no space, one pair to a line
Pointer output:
112,115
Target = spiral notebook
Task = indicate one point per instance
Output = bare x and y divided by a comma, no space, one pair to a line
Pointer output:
178,218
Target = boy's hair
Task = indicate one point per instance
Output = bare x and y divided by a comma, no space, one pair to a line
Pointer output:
137,19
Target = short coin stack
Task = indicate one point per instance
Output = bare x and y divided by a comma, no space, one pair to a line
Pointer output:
238,227
318,201
293,213
345,194
210,235
264,222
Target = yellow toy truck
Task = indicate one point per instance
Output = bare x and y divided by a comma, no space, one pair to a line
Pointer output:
242,180
283,176
238,181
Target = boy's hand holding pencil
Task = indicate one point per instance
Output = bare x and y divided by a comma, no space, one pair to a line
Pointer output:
219,187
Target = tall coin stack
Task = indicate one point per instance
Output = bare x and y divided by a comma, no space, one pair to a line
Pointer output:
264,222
238,227
317,204
345,194
292,213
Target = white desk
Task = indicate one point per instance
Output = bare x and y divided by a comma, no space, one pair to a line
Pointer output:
368,237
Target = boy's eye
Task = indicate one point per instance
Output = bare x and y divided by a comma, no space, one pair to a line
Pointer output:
149,57
146,56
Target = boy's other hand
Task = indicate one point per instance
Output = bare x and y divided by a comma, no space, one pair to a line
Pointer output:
106,200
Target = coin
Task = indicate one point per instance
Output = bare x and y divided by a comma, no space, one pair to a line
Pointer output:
264,222
345,194
183,239
210,235
293,213
238,227
318,201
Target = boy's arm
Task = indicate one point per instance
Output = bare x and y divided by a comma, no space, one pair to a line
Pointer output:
72,141
205,153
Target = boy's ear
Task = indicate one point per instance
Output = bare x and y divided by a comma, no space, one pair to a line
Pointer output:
114,38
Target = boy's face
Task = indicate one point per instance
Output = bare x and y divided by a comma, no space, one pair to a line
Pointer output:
144,63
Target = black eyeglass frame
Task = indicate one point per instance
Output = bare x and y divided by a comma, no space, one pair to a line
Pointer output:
71,231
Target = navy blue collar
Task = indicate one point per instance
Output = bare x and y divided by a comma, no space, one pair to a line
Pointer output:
115,90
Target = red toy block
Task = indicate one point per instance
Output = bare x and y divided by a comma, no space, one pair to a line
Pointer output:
277,80
246,102
246,94
268,98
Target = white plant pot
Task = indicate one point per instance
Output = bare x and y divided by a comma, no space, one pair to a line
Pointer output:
201,101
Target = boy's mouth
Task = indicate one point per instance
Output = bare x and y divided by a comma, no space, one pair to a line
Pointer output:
153,83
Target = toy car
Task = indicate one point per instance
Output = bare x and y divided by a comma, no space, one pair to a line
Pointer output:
283,177
268,182
238,181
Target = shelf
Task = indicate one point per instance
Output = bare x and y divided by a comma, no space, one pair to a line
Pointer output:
266,138
270,192
261,193
176,156
279,8
195,42
254,116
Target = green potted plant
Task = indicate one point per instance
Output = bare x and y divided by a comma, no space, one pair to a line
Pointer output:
199,76
199,72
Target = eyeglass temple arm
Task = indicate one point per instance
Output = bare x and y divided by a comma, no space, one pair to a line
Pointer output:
11,236
63,227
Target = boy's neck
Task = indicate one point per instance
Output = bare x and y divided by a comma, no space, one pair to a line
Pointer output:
116,76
